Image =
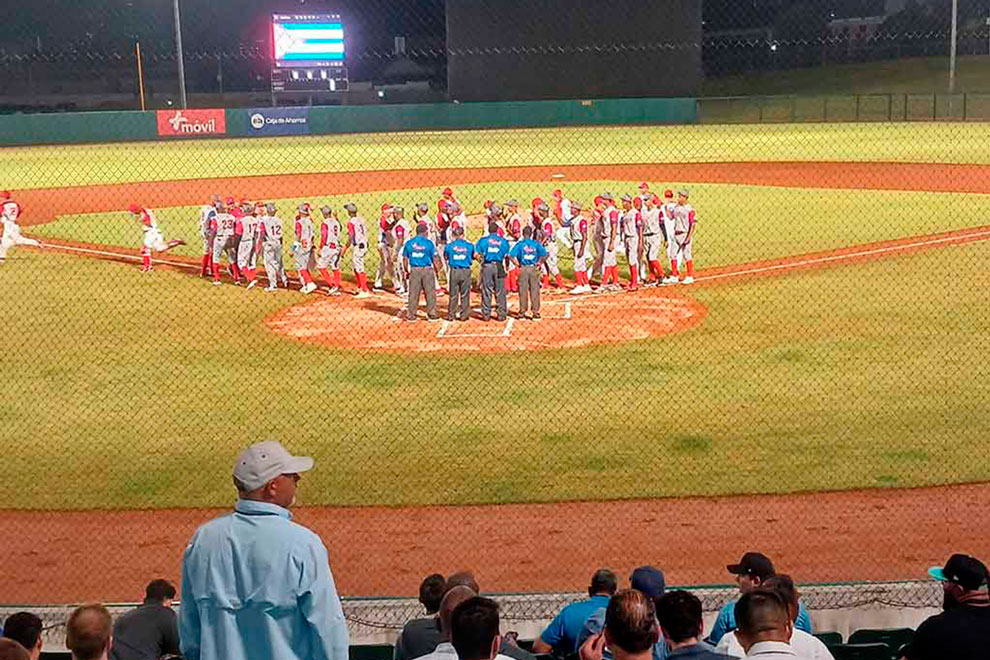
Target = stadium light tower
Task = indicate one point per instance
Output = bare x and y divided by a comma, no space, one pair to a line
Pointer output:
178,53
952,47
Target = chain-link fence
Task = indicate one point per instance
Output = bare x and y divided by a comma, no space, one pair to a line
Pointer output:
755,232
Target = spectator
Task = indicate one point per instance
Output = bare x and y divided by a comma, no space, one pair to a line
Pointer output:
421,636
803,643
631,629
474,630
679,615
11,650
646,579
462,579
150,631
750,573
509,646
25,629
445,650
765,627
89,633
962,630
563,632
255,585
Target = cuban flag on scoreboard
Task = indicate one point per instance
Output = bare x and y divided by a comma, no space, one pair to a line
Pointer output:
309,42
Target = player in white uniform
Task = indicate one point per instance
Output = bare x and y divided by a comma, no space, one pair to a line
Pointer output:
247,247
548,236
206,215
329,253
651,270
673,254
153,239
303,248
386,247
10,211
403,232
580,242
684,226
632,234
357,242
564,213
610,228
270,244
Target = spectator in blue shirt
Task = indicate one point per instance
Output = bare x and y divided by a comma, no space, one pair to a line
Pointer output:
421,266
255,585
562,634
529,256
649,581
750,573
491,250
459,256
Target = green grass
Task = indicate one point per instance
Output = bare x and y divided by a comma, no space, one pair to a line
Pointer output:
738,223
126,391
42,167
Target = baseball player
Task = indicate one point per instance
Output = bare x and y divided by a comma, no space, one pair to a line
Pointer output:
444,215
153,239
610,240
303,249
403,233
270,246
423,217
246,231
513,228
547,234
644,192
673,254
206,213
598,238
10,211
579,243
386,247
632,236
357,238
653,235
222,232
684,225
330,250
447,197
563,211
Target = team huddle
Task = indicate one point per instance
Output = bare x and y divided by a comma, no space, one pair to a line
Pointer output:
649,231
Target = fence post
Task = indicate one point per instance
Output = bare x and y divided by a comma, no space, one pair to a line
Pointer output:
857,107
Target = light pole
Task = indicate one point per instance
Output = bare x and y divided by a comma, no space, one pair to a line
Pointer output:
952,47
178,53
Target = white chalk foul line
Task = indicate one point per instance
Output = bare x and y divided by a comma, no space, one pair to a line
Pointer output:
118,255
443,329
508,327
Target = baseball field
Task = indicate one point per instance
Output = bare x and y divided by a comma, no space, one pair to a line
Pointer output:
835,341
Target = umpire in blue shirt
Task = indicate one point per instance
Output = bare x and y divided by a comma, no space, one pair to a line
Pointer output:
529,255
420,263
459,256
491,251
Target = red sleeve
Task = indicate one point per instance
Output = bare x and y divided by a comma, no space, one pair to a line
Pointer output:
145,219
583,227
691,219
639,219
350,230
261,230
400,232
238,227
324,231
298,229
213,223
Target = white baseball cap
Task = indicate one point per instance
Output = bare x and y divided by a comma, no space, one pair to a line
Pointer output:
263,461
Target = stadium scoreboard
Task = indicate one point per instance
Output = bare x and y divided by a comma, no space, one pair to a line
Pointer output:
308,53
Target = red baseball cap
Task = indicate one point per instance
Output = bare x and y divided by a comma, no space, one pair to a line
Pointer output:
386,206
669,194
230,201
134,208
598,200
488,203
655,199
638,202
448,192
644,186
558,193
5,194
536,202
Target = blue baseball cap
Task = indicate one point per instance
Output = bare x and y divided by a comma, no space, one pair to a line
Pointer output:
648,580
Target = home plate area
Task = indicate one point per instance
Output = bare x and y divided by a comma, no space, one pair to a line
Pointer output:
572,322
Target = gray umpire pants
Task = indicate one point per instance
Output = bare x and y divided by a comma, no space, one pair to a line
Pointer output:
596,266
529,289
422,279
460,294
491,284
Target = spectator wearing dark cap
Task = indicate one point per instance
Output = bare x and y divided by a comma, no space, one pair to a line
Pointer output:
962,630
647,580
563,632
474,630
25,629
151,630
11,650
89,632
750,573
803,643
631,629
421,636
765,627
681,624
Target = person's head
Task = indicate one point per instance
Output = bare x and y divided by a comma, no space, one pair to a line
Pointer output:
558,194
134,209
599,202
4,194
458,232
527,232
679,614
761,616
631,624
668,195
431,592
267,472
492,227
512,205
398,212
543,211
474,629
751,571
304,209
603,583
326,211
351,209
448,193
422,229
159,591
607,199
651,202
682,196
422,208
783,586
88,632
963,579
25,629
649,580
386,210
462,579
644,187
627,202
11,650
449,603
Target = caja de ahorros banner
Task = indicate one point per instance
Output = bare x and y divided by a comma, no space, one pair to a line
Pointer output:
278,121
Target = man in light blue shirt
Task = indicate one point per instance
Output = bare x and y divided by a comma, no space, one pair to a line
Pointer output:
255,585
563,632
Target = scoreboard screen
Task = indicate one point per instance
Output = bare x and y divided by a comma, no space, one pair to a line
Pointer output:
307,40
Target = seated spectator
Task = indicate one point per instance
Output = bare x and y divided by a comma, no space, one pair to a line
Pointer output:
11,650
764,626
962,630
25,629
631,629
750,573
509,646
645,579
151,630
562,634
89,633
421,636
803,643
474,630
445,650
462,579
680,618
